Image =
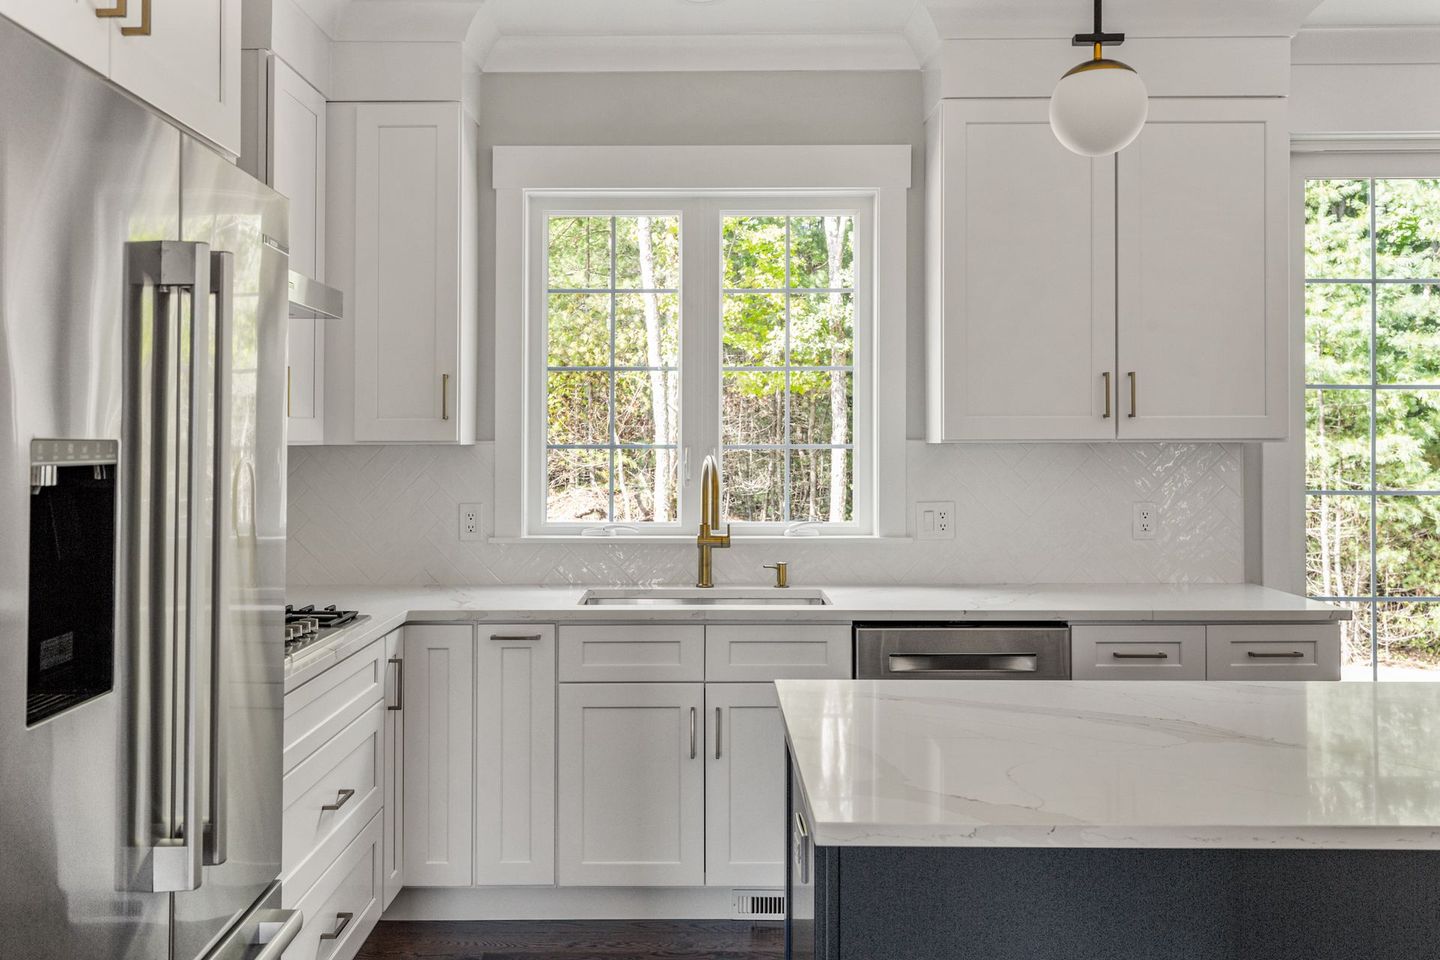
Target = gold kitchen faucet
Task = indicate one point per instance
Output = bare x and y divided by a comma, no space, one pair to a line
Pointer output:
710,538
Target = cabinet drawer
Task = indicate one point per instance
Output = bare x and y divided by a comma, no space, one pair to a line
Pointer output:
777,652
330,796
1308,651
350,888
626,653
1139,652
317,710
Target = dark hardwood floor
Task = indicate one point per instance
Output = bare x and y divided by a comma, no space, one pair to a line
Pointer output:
575,940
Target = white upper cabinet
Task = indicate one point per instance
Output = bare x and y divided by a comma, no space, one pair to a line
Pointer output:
1021,239
1203,272
1053,276
180,56
71,25
296,142
187,66
412,296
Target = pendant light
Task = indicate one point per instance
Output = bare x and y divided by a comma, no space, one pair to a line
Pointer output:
1100,106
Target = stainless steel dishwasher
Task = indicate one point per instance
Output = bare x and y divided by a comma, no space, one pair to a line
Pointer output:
957,651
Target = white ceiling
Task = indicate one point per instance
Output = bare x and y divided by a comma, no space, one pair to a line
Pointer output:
372,19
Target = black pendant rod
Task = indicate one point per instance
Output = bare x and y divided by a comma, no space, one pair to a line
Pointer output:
1099,37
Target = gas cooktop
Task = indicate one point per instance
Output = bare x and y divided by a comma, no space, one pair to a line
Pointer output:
305,626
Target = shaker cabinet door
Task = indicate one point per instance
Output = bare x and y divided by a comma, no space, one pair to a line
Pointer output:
1203,288
515,754
632,785
744,786
187,65
439,754
1021,259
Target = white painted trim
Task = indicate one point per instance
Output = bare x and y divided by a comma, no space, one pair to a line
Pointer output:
881,172
561,903
1282,503
750,52
701,168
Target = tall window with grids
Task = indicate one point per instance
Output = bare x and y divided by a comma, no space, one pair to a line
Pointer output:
612,316
788,367
1372,412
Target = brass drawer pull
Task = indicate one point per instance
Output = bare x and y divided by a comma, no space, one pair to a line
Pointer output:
444,396
1141,656
342,920
341,798
144,29
116,11
1133,411
1290,655
1106,375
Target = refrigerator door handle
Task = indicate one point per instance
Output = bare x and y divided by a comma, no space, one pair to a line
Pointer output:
169,525
222,287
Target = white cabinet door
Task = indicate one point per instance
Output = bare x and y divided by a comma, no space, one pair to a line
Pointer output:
1203,272
744,786
407,275
439,754
393,783
1021,257
305,381
632,785
297,163
515,754
71,25
188,65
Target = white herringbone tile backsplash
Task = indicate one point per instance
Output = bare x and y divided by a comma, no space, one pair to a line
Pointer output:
1025,513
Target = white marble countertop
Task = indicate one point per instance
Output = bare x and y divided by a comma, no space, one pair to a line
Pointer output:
956,763
390,607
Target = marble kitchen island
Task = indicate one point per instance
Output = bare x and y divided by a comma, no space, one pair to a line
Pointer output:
1038,820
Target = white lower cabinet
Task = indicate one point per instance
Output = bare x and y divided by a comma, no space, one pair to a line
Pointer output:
393,782
515,754
1273,651
744,786
631,785
439,754
342,907
1139,652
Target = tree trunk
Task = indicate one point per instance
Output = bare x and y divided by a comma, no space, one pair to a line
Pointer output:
659,392
834,246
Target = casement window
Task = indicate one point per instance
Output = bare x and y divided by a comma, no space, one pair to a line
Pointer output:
659,305
671,327
1372,409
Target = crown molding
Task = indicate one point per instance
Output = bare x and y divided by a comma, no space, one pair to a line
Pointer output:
1361,45
575,54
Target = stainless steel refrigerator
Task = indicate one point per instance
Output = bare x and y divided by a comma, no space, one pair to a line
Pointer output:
142,526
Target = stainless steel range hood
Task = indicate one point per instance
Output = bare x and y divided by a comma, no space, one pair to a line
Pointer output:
312,300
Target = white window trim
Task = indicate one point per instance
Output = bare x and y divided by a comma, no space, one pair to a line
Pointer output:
1283,462
524,175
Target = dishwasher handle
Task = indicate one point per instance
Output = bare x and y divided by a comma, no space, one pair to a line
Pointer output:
993,651
952,663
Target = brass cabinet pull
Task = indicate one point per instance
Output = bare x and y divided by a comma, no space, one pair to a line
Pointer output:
444,396
1132,395
116,11
144,29
287,390
341,798
342,920
1106,375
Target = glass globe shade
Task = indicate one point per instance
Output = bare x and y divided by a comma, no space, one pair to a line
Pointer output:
1098,108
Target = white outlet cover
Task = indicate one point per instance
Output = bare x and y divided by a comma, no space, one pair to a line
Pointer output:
935,520
472,521
1145,521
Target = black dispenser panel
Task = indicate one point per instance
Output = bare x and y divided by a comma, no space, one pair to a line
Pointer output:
71,636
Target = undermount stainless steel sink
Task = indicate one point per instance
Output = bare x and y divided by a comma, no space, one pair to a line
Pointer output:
711,597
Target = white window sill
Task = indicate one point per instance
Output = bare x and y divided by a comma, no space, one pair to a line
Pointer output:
671,539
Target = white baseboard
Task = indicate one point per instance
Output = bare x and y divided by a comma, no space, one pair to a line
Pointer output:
561,903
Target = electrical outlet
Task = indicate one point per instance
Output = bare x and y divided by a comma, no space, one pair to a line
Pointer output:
1145,521
471,527
935,520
